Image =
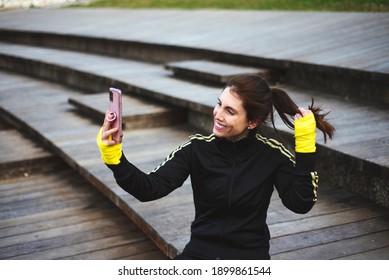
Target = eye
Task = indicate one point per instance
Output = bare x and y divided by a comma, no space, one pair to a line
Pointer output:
231,112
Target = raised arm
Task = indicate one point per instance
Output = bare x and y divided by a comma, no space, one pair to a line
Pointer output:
297,182
168,176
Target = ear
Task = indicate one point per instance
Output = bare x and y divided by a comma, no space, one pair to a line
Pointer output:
253,124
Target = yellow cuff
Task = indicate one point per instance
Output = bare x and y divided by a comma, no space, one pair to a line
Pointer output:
305,134
110,154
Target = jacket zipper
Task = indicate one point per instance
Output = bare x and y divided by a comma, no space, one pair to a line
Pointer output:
231,187
229,202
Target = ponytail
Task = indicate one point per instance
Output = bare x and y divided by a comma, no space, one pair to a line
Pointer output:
286,108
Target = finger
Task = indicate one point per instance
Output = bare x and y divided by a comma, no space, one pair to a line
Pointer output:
107,133
106,125
110,141
305,112
302,111
297,116
106,120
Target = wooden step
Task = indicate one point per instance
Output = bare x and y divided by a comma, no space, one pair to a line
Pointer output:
137,113
216,72
22,157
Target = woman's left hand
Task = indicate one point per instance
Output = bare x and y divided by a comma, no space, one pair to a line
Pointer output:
305,131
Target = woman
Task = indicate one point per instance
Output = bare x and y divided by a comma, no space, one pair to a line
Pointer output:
233,171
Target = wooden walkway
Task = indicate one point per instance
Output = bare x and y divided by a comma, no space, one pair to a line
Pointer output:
343,224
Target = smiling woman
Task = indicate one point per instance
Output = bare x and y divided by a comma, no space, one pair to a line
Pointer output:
233,171
303,5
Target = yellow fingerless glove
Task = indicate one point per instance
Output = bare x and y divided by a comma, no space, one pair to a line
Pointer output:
305,134
110,154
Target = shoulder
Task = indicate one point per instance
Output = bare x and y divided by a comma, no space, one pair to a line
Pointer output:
202,138
275,146
193,140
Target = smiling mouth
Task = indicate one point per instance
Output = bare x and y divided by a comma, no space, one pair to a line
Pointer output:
219,126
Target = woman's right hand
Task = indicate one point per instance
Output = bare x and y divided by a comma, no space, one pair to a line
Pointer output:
107,131
111,150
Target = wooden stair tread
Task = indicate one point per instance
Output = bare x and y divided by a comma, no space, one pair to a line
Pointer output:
216,71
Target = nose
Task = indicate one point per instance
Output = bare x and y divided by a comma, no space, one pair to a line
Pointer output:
217,114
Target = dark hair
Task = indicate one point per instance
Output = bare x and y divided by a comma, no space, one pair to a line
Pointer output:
259,99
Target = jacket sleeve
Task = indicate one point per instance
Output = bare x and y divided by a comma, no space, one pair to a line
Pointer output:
164,179
297,183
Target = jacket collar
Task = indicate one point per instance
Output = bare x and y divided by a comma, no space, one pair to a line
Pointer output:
240,145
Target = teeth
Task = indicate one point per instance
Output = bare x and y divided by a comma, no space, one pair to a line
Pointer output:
218,125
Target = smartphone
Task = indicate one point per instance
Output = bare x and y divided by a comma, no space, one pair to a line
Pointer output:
114,115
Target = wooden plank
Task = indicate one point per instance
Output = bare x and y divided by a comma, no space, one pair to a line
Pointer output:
330,201
18,148
377,254
15,183
22,156
33,219
82,216
113,226
137,249
51,231
327,235
333,219
14,197
43,203
152,255
84,247
338,249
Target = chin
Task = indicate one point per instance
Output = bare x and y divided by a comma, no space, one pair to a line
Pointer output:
217,133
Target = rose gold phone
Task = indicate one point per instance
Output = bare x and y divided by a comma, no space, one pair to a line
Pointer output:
114,114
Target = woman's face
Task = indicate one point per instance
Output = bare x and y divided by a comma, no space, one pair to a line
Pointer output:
230,117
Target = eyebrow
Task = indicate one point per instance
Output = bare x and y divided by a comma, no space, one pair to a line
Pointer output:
228,107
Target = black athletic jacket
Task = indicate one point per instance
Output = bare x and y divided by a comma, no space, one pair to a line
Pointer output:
232,185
